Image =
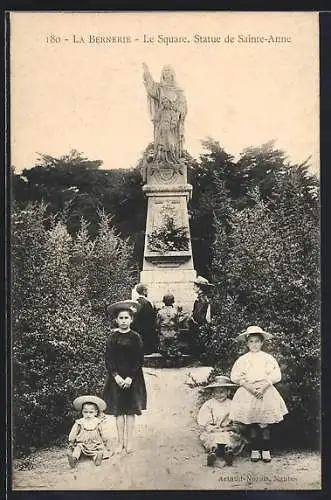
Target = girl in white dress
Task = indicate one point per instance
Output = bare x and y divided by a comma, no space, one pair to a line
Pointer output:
257,402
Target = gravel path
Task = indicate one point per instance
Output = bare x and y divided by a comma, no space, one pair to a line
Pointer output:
168,455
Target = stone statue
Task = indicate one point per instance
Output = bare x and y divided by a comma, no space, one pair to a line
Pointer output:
168,109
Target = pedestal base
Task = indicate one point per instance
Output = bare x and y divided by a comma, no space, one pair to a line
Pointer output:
171,271
156,360
179,282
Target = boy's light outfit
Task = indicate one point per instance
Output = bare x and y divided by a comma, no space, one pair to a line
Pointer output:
213,416
87,437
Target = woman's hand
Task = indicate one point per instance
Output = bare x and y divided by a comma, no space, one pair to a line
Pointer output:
127,382
258,393
260,386
119,381
252,389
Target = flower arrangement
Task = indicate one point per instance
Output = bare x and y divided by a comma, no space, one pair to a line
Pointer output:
168,237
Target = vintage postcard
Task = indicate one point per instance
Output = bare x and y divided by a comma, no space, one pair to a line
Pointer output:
165,250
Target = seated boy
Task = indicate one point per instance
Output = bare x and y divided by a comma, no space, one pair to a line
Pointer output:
220,437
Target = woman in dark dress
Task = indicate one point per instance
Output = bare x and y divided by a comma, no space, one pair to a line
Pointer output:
201,311
125,389
144,320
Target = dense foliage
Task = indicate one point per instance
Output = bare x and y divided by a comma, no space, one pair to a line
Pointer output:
255,233
266,267
60,286
76,187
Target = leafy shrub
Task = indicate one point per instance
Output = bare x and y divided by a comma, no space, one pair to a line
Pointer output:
110,277
266,266
173,355
58,339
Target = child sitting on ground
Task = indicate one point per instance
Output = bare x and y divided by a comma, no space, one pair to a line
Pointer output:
220,437
86,435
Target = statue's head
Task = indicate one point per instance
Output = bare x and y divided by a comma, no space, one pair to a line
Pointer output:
168,75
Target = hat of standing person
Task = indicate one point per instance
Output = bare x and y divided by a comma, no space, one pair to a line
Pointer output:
123,305
201,281
254,329
220,381
141,289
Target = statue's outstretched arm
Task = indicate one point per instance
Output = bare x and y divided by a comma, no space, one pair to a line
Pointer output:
151,86
145,67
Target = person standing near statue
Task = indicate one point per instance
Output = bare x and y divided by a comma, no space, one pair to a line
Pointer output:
144,320
201,313
168,109
167,326
125,388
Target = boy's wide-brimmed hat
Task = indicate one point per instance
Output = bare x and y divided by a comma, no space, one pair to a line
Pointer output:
254,329
201,281
221,381
123,305
81,400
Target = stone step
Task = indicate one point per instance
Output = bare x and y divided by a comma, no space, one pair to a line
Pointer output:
155,360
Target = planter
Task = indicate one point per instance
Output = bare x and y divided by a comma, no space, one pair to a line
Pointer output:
173,258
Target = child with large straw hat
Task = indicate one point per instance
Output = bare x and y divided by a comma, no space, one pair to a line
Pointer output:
86,436
257,402
219,437
125,389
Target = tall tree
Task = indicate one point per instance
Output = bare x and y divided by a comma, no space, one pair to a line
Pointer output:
206,174
77,187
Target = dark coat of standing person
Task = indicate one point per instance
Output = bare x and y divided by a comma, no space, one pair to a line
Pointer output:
144,320
201,313
201,308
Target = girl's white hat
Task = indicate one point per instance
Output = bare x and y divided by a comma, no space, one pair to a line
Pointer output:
221,381
254,329
81,400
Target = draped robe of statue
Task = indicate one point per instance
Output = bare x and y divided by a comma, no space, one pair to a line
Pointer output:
168,109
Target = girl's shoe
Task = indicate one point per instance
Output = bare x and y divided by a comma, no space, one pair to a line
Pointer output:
211,459
255,456
72,461
228,457
266,456
98,458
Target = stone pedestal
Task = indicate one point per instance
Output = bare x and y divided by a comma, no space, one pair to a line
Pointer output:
170,271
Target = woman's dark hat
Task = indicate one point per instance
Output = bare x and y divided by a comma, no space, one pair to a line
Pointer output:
201,281
123,305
